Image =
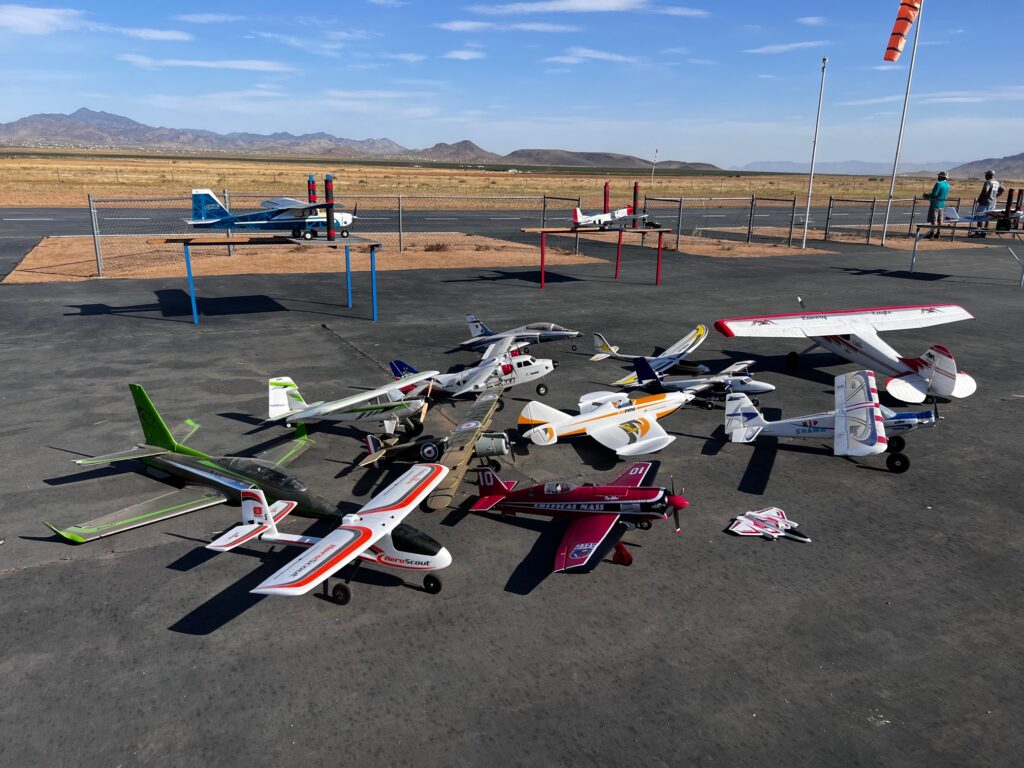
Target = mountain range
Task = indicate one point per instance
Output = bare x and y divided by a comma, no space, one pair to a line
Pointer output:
1010,167
86,128
851,167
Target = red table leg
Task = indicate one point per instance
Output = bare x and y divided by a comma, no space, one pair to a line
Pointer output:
618,256
543,246
661,240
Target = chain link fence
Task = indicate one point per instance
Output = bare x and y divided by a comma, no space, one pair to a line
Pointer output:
850,218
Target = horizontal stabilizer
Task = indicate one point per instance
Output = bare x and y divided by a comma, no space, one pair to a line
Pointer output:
129,455
910,388
859,424
485,503
236,536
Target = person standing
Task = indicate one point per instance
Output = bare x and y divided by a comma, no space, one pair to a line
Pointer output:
937,204
986,201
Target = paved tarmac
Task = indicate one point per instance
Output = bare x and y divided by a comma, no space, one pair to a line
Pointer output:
892,639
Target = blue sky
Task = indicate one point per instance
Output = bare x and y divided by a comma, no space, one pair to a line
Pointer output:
722,82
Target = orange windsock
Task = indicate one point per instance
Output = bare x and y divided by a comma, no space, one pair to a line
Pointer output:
904,21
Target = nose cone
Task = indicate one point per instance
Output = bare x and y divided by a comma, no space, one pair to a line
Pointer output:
442,559
678,502
760,387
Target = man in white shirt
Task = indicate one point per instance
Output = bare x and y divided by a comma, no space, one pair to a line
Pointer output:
986,201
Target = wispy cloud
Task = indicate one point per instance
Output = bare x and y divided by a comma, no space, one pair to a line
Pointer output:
248,65
490,26
145,33
465,55
887,67
581,55
691,13
702,62
310,44
388,3
677,50
410,58
812,21
978,96
869,102
787,47
208,18
587,6
25,20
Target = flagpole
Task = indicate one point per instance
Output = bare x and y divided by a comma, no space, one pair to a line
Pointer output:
903,122
814,150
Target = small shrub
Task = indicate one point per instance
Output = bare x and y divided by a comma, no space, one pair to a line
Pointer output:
435,247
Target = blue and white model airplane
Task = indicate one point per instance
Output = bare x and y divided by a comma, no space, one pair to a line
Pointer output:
305,220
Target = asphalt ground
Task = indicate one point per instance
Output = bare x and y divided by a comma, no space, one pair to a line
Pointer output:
892,639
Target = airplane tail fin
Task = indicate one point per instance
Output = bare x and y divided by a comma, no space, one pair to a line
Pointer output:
602,349
577,214
492,489
939,367
743,421
153,427
542,418
258,519
477,327
644,373
206,206
400,368
283,397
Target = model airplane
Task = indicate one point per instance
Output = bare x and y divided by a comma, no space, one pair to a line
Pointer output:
628,427
534,333
375,533
853,335
859,426
305,220
209,480
594,510
386,405
500,367
667,360
731,379
769,523
604,220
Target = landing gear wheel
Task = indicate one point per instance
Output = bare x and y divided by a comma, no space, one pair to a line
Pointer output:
431,584
896,444
344,233
573,347
709,405
929,400
500,406
644,525
754,401
525,350
308,234
542,389
897,462
793,360
341,594
296,233
430,452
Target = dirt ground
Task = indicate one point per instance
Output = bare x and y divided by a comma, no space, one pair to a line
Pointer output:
896,241
61,259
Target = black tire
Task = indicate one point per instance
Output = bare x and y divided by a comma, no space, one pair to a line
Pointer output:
431,584
709,405
414,427
525,350
573,347
430,451
896,444
308,234
793,360
897,463
296,233
755,402
501,405
542,389
644,525
341,594
344,233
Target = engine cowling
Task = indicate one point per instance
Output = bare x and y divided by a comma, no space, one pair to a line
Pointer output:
492,444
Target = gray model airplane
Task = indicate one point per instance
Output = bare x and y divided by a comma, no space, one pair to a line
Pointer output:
534,333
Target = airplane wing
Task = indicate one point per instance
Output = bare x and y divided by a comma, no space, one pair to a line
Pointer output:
632,436
499,348
285,203
804,324
360,531
634,476
582,540
133,453
287,452
743,526
735,368
688,343
177,502
477,382
859,427
344,403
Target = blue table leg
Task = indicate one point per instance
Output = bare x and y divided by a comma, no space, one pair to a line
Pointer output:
348,275
191,285
373,280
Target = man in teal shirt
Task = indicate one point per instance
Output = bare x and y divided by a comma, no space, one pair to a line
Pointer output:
937,203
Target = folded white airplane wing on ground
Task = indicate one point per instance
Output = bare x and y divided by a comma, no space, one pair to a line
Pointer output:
859,424
632,436
878,319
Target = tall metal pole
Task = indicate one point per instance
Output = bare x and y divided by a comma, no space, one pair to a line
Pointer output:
814,151
654,165
903,122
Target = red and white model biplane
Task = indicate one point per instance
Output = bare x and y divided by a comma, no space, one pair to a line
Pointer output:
595,510
853,335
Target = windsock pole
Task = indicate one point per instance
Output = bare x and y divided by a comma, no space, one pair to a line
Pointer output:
329,211
903,122
814,150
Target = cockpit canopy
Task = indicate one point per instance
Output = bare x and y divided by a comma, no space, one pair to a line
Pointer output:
265,472
558,487
546,327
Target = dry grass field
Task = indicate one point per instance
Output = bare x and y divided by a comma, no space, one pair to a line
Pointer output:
36,177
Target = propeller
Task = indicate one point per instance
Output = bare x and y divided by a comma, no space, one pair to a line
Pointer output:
355,212
426,400
677,502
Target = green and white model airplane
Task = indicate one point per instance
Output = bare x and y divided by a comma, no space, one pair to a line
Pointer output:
208,480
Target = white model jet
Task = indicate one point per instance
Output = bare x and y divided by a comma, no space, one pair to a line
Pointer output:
859,426
604,220
769,523
376,533
534,333
731,379
629,427
853,335
667,360
500,367
386,405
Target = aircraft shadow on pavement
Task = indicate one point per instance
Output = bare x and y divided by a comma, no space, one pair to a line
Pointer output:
809,368
174,305
531,277
898,273
537,564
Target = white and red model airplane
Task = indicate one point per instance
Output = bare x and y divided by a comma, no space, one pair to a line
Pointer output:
604,220
769,523
375,533
853,335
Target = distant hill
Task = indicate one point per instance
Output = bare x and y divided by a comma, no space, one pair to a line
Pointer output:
1011,167
88,129
849,167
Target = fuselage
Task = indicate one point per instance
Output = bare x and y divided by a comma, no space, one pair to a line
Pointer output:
873,354
562,499
656,406
534,333
263,220
519,369
824,424
748,385
387,409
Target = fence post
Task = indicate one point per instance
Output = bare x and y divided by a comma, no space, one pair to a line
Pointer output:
227,204
828,216
750,219
871,219
544,212
913,213
373,279
401,238
579,204
679,223
792,216
96,237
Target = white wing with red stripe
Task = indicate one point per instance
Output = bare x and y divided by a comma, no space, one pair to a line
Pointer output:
357,533
877,319
859,424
